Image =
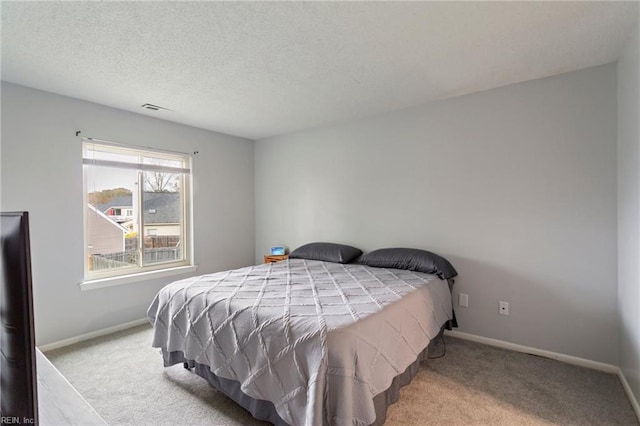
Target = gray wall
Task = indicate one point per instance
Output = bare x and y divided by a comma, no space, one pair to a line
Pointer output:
629,210
42,173
516,186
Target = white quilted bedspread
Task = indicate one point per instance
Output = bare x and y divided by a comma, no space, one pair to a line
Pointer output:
317,339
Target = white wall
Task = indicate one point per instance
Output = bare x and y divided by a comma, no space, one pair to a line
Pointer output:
42,173
629,210
516,186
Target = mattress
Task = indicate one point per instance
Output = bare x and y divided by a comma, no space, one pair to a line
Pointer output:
318,340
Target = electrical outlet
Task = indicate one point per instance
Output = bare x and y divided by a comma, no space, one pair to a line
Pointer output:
463,300
504,308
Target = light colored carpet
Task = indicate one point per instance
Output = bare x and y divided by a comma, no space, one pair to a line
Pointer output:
474,384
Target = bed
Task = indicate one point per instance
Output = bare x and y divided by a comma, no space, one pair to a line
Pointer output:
304,341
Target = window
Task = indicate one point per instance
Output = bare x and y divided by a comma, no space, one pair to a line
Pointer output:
136,205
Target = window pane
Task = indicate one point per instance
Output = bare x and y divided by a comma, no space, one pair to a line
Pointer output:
163,217
158,161
106,153
137,207
112,224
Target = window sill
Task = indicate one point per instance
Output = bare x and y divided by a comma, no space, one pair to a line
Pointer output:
141,276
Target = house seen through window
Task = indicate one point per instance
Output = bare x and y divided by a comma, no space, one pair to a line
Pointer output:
136,210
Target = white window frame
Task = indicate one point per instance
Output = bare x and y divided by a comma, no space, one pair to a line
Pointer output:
98,279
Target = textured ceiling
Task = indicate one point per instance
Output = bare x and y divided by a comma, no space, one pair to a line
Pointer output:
258,69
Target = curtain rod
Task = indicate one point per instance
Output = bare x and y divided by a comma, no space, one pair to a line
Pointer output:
86,138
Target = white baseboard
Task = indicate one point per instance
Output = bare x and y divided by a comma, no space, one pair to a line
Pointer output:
582,362
629,392
98,333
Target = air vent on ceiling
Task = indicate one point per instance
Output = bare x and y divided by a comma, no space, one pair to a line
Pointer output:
153,107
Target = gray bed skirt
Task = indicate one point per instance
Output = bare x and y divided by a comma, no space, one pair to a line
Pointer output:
265,410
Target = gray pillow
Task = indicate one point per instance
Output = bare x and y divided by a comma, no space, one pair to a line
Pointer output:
328,252
410,259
